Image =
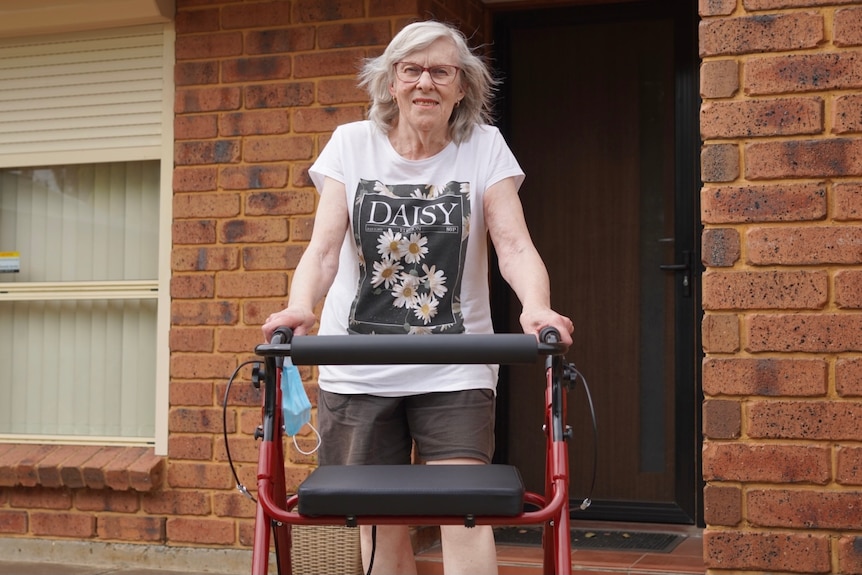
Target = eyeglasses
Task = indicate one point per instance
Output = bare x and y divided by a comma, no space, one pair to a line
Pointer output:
442,75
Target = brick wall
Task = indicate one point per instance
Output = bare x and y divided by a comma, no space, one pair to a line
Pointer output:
781,206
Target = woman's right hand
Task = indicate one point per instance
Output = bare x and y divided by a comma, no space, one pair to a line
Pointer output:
299,320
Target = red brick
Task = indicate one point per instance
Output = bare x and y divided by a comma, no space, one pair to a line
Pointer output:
805,332
273,149
94,468
40,498
202,206
204,313
182,474
243,449
71,470
803,73
253,231
719,78
722,419
848,377
106,500
340,91
205,259
206,152
195,179
9,463
147,472
201,365
772,33
256,68
77,525
193,393
189,447
256,15
177,502
719,162
847,200
243,393
255,312
720,333
251,284
324,119
850,555
197,21
207,99
48,469
203,531
847,27
848,289
754,5
192,286
252,177
27,466
195,127
722,505
196,420
282,257
233,505
196,73
848,113
813,420
753,550
239,340
763,203
800,159
190,339
753,118
193,232
798,508
136,529
720,247
208,46
727,290
716,7
280,40
278,95
301,228
282,203
349,34
772,463
316,11
765,377
254,123
811,245
849,465
13,522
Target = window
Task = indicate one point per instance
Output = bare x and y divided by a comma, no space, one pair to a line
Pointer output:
85,187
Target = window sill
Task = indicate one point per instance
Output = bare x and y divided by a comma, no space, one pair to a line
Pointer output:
78,466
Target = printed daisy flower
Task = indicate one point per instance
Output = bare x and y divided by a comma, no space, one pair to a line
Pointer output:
391,245
419,330
415,249
434,280
385,272
405,293
426,308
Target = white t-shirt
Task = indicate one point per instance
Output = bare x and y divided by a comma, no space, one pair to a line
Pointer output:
415,258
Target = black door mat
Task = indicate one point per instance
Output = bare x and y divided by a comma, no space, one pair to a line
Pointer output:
594,539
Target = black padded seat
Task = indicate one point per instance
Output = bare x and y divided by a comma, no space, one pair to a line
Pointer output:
424,490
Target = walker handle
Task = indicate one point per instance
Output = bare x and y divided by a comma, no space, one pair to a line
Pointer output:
505,348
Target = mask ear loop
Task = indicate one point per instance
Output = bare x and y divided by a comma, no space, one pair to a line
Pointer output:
316,447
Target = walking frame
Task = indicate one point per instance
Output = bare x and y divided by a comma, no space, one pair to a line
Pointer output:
413,494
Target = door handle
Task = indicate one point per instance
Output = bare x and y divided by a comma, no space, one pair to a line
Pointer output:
683,267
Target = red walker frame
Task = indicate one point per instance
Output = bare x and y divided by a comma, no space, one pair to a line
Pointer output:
275,510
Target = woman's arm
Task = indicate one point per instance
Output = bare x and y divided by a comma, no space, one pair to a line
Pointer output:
318,265
520,263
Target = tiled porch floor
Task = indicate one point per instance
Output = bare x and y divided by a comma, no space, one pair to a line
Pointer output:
686,558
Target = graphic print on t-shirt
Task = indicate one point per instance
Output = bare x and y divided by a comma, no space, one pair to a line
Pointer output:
411,241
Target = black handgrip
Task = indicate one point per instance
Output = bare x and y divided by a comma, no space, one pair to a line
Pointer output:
404,349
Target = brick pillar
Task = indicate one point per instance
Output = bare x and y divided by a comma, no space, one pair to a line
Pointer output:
781,83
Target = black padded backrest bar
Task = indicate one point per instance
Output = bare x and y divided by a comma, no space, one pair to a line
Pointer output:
401,349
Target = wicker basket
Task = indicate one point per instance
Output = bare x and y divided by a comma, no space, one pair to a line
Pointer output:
326,550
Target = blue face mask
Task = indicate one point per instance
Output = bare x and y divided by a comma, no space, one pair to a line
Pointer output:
295,407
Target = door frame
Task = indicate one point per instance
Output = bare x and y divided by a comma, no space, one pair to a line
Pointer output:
688,351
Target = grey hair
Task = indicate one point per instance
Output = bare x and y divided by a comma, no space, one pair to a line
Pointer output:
377,74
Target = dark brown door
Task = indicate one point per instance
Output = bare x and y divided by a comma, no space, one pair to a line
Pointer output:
592,113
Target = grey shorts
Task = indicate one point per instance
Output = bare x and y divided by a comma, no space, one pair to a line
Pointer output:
372,430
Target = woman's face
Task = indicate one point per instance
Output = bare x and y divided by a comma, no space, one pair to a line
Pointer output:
423,104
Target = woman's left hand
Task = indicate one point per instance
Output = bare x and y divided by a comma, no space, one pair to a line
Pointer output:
534,321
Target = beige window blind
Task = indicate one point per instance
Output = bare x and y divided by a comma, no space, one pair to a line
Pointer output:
82,97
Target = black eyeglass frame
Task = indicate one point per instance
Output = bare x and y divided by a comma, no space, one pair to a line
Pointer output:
424,69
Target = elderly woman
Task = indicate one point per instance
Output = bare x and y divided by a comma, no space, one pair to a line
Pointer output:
408,199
